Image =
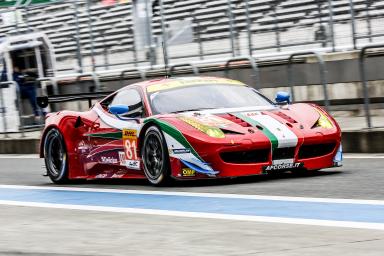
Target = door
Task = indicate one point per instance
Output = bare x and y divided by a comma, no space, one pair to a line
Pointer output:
114,138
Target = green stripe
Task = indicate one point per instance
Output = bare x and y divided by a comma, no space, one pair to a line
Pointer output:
272,138
109,135
175,133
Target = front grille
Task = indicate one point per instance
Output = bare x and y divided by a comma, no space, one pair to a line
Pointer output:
246,157
316,150
283,153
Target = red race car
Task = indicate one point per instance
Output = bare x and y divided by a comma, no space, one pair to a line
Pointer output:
188,128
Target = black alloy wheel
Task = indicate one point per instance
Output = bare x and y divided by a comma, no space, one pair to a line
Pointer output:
55,156
155,157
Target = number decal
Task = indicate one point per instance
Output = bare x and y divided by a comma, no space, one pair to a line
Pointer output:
130,149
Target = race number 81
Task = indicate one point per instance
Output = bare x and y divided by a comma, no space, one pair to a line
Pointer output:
130,144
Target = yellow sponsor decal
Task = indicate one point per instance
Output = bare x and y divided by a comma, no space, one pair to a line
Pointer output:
129,134
188,172
190,82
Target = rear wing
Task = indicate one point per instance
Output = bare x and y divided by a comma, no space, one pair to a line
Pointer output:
44,101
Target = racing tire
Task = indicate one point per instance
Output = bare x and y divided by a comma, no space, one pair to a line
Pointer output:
155,157
56,157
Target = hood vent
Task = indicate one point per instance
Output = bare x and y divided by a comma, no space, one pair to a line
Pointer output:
235,120
287,118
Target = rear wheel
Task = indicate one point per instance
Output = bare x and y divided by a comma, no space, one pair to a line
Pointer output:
55,156
155,157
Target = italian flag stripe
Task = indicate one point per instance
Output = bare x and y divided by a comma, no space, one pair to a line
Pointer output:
272,138
175,133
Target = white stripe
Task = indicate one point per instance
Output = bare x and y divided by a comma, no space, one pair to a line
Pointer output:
327,223
116,123
206,195
17,156
363,156
286,138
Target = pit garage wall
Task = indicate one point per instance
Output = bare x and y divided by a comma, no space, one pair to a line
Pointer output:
343,78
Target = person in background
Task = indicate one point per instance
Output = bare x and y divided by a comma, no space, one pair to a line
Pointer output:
26,81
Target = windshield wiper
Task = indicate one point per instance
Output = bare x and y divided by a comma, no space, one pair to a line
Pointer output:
190,110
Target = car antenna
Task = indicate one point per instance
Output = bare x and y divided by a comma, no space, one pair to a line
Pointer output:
165,61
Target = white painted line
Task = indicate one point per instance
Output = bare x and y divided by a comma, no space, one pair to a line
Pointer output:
18,156
363,156
327,223
206,195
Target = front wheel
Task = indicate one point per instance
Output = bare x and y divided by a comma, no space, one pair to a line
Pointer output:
55,156
155,157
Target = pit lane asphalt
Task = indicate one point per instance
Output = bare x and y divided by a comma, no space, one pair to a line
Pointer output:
62,232
357,179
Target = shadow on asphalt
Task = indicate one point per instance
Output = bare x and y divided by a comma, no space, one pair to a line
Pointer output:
212,182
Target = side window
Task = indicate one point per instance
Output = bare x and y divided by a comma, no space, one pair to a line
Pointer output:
131,98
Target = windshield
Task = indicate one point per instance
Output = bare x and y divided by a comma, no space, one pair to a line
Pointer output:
200,97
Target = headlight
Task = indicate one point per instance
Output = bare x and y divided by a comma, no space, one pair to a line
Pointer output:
323,121
210,131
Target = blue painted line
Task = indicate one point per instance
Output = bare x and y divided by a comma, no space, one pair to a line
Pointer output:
364,213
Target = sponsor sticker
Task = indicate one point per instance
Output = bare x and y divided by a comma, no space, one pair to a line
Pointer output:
181,151
131,164
276,167
109,160
188,172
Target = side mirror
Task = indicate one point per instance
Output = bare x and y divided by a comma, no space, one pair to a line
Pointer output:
42,101
283,97
118,109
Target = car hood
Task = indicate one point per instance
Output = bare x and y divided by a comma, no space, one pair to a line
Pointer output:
239,120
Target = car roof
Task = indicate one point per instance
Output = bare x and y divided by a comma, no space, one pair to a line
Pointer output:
184,81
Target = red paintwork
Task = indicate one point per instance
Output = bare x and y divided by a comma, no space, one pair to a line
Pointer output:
79,146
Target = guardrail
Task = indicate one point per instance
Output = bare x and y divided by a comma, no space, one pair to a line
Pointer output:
362,58
123,72
195,69
322,70
252,62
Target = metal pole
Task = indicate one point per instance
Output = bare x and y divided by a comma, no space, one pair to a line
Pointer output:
201,50
231,28
106,60
277,29
249,32
78,44
164,34
152,52
353,23
3,111
365,85
90,27
331,24
369,25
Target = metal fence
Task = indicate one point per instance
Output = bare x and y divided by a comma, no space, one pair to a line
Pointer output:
104,36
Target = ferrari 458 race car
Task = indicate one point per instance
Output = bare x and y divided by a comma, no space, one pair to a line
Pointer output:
188,128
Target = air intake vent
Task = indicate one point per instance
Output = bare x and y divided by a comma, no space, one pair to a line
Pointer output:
316,150
235,119
246,157
283,153
287,118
